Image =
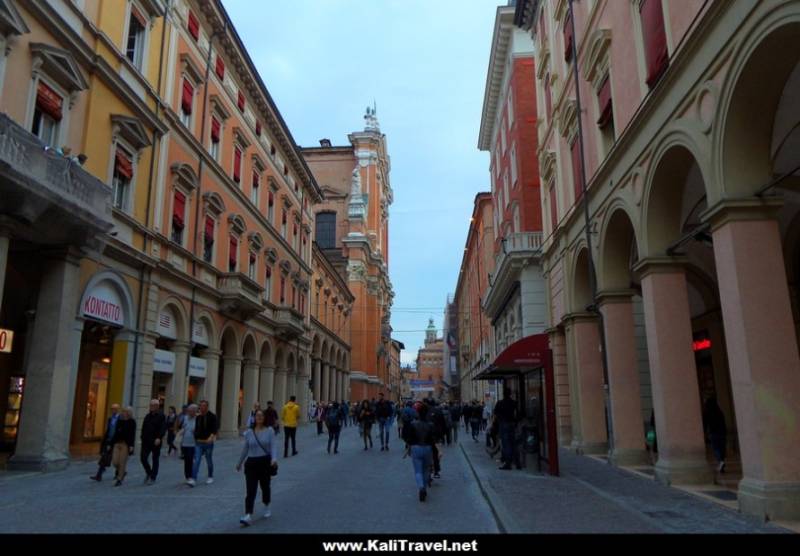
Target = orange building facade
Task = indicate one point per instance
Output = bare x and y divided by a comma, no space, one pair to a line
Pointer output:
352,229
430,378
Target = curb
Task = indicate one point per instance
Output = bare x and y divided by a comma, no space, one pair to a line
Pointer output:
505,523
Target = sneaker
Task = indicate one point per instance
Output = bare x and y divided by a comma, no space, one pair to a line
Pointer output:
97,478
437,476
268,512
246,520
190,482
295,453
210,480
148,481
722,467
423,494
118,483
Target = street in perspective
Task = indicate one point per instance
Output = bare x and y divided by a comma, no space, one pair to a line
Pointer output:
400,271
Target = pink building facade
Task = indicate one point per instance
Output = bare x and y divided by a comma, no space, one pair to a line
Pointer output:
685,286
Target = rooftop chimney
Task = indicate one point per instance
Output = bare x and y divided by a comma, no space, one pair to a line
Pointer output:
324,142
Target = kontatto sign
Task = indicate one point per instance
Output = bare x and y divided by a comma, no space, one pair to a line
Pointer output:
6,338
103,303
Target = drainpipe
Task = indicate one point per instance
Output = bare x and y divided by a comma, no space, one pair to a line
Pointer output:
150,178
587,222
200,166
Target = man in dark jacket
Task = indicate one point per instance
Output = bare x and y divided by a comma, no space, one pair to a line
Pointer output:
154,427
440,432
506,411
271,417
205,433
383,412
106,445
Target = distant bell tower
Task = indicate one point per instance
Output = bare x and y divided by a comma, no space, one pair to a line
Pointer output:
430,333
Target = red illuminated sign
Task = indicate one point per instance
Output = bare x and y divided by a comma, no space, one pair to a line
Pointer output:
700,345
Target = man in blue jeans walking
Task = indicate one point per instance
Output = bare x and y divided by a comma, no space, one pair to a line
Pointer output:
205,433
506,411
383,411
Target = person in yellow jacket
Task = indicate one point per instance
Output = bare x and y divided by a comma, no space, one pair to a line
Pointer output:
290,415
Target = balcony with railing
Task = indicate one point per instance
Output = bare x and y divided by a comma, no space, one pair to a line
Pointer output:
289,323
241,296
518,251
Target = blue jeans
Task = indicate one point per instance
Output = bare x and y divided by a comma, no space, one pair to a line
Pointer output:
385,425
422,458
201,450
507,431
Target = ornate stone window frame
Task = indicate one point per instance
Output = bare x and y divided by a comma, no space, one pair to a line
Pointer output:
568,120
11,26
598,59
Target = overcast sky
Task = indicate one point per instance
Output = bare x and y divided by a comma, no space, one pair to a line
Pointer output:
424,63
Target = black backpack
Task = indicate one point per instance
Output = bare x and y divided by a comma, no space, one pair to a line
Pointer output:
332,417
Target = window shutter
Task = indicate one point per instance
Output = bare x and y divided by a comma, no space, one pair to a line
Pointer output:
178,210
220,67
271,198
49,102
139,17
255,180
252,258
209,235
295,229
604,101
187,98
284,217
194,26
576,169
269,273
237,165
568,38
216,128
123,165
232,254
258,129
655,40
240,101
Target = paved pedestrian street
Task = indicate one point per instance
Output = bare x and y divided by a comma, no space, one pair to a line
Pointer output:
361,492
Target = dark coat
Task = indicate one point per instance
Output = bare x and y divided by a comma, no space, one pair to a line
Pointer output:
154,427
125,432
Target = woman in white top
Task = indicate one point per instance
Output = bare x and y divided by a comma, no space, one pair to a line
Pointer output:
260,456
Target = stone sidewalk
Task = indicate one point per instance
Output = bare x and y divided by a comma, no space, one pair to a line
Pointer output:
594,497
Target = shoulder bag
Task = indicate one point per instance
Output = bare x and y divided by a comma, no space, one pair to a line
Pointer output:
273,469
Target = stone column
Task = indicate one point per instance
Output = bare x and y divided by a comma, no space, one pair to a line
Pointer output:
317,371
250,387
302,393
267,385
623,379
586,384
763,356
176,395
280,388
229,413
4,246
52,369
211,382
558,345
325,382
676,396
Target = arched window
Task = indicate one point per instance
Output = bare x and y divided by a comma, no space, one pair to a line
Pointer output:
326,230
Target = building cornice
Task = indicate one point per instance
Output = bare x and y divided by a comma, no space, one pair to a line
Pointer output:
501,40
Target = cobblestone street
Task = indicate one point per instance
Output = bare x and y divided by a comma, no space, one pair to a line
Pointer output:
363,492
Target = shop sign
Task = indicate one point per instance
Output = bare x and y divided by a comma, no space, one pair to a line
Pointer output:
200,334
6,337
166,325
103,303
164,361
197,367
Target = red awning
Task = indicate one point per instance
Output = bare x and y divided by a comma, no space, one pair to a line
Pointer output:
528,354
216,128
237,165
194,26
187,97
220,67
49,102
240,101
604,102
123,165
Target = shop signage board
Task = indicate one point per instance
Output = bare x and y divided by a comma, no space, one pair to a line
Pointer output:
103,303
6,338
197,367
164,361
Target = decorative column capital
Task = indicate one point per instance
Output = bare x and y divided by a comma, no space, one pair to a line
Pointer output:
251,362
181,347
730,210
661,265
576,318
231,359
614,296
210,353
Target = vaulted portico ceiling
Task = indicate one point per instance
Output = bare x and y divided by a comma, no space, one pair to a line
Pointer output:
131,130
501,40
11,22
59,65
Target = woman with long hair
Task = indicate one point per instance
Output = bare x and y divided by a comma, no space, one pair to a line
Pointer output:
366,417
259,455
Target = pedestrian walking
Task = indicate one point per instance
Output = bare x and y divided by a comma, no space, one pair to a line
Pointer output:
714,421
333,420
260,458
172,430
486,413
179,424
252,417
107,443
439,433
205,434
419,436
154,427
345,410
290,415
475,415
455,421
187,442
383,412
312,410
271,417
506,411
124,441
365,418
319,415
